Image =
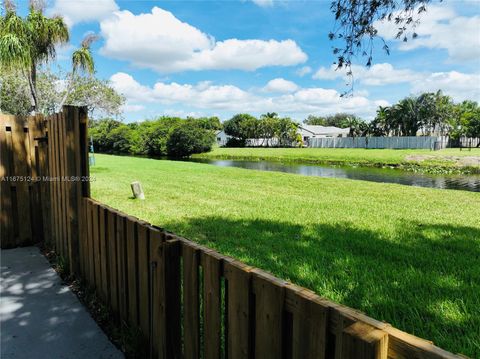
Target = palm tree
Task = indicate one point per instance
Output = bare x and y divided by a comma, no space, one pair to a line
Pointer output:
82,61
26,43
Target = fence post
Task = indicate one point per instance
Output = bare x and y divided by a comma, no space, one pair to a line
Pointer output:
75,120
362,341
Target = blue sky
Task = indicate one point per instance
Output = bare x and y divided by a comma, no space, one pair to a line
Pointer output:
220,58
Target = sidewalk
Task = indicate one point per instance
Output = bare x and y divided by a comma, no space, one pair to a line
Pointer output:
40,317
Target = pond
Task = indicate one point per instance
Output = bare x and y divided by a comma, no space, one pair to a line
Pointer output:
385,175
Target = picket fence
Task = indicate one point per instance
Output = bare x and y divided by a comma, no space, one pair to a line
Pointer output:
404,142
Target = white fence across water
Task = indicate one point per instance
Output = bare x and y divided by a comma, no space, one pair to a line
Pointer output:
425,142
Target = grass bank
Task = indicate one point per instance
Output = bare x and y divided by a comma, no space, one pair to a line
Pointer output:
406,255
450,160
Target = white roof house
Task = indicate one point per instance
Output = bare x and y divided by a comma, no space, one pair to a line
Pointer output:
222,138
315,131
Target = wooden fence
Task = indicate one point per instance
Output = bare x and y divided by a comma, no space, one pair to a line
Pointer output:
23,195
186,300
191,302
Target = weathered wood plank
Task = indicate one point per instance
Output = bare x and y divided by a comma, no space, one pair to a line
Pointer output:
159,319
96,246
44,186
103,253
191,302
6,223
92,249
309,323
143,279
362,341
132,271
52,160
72,185
212,305
238,310
112,259
121,246
34,131
65,234
21,168
173,298
269,305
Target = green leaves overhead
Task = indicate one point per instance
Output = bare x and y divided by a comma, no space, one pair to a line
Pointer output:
25,42
82,60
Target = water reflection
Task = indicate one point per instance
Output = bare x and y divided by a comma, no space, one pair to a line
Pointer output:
385,175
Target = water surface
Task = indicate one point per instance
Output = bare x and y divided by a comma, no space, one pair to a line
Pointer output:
383,175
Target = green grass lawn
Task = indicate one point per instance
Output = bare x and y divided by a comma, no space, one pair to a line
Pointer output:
406,255
448,159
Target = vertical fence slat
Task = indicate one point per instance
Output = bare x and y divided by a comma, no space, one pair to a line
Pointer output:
173,298
112,259
239,313
72,185
65,187
58,183
6,224
309,335
191,302
132,272
63,191
212,304
96,247
32,158
45,196
143,279
92,252
159,347
269,300
21,168
122,267
52,162
103,252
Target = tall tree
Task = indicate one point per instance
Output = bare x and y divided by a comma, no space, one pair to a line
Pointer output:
82,61
26,43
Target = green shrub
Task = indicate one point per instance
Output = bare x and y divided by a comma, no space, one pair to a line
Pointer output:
186,140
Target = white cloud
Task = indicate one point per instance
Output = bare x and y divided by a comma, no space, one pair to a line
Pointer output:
329,73
441,28
376,75
132,108
211,97
305,70
460,86
76,11
280,85
160,41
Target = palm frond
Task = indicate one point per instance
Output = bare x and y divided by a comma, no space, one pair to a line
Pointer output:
46,33
38,5
82,60
9,6
14,53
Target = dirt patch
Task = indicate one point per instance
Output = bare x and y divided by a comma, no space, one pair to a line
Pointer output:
466,161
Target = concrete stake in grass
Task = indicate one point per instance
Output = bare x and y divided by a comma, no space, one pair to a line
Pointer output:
137,190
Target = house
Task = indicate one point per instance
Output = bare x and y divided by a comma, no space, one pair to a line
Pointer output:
315,131
222,138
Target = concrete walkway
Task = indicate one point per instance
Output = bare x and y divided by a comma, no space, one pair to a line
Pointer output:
40,317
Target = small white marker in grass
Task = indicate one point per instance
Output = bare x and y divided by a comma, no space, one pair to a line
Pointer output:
137,190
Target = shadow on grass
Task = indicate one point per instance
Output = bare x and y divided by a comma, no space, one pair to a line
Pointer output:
424,279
